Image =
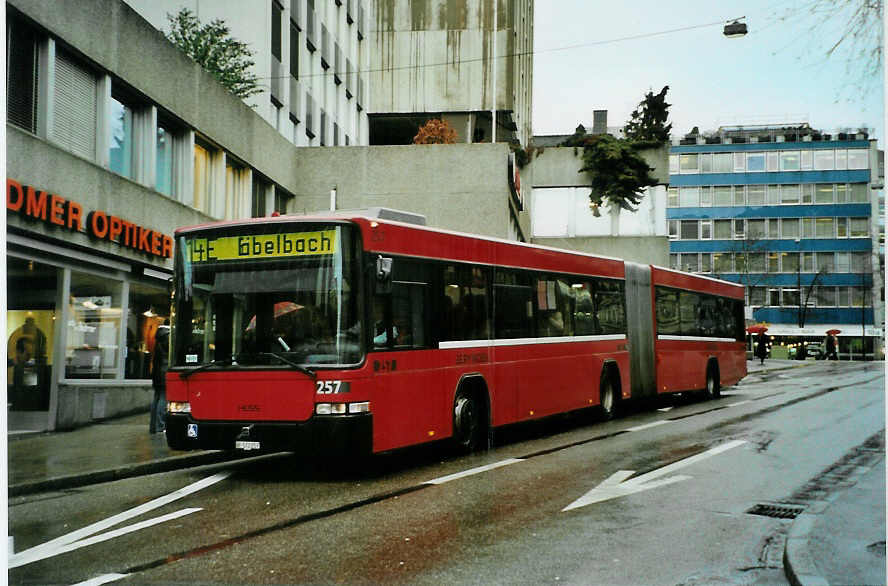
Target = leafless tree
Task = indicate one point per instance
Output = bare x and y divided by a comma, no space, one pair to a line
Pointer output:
847,29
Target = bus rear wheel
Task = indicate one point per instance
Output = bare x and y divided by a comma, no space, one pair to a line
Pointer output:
607,398
469,429
713,388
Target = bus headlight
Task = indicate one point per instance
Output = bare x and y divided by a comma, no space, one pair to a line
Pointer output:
178,407
342,408
359,407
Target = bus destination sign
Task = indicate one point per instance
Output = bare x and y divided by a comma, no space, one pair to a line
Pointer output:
256,246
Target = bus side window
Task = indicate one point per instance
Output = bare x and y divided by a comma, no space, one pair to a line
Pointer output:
610,311
466,288
513,301
688,305
408,313
667,312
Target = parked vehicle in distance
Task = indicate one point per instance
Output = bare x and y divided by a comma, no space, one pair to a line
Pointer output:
816,350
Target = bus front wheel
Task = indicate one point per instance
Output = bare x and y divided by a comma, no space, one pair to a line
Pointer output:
469,430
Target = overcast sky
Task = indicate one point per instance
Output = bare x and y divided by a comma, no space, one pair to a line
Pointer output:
778,72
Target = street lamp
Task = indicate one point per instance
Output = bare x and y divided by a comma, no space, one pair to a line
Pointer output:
735,28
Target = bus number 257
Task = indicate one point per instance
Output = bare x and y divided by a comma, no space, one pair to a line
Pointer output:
331,387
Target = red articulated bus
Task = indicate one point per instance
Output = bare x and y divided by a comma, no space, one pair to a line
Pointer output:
364,335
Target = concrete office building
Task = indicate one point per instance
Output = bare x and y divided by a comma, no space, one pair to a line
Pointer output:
790,212
461,61
311,58
114,141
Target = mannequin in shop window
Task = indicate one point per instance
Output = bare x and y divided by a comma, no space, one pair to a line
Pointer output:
159,364
27,357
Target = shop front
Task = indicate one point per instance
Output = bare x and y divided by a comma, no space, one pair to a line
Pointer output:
80,321
852,341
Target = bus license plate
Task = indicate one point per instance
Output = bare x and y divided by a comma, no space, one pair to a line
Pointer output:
244,445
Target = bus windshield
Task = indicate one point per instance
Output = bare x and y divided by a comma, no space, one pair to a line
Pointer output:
267,295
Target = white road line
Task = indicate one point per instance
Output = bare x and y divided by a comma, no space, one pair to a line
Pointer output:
25,556
738,403
665,409
688,461
648,425
104,579
474,471
112,534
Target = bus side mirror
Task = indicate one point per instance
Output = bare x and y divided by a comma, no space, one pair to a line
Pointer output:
383,275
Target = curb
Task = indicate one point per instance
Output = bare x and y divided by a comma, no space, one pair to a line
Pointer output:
798,563
119,473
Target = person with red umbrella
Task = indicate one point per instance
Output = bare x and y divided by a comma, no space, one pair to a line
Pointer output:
761,345
831,344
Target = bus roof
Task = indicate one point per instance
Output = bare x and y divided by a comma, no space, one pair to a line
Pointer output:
393,237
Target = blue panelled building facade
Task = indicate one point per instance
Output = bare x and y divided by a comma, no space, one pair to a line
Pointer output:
791,213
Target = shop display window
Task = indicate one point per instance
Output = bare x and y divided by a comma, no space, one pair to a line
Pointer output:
149,307
92,349
30,331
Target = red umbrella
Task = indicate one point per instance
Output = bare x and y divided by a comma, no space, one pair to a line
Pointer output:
833,332
757,329
280,308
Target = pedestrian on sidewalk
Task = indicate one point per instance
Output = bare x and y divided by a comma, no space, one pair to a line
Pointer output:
761,348
831,347
159,364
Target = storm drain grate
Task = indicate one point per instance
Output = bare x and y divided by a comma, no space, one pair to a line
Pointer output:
776,511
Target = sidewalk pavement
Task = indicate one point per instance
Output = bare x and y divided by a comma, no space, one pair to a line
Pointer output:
842,544
110,450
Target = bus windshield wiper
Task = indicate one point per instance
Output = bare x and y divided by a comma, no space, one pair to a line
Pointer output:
219,362
289,362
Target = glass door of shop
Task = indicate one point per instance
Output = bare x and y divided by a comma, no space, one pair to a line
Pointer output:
30,332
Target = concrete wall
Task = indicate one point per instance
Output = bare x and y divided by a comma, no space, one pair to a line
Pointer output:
82,404
434,56
640,236
457,187
559,166
641,249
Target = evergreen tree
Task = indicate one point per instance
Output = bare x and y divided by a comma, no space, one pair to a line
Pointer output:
213,48
618,173
648,122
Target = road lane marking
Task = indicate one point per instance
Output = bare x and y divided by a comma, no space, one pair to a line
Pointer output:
648,425
36,552
103,579
116,533
620,484
665,409
474,471
738,403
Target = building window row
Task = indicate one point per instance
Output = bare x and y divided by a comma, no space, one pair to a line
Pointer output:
757,229
767,195
771,262
101,119
811,297
327,81
769,161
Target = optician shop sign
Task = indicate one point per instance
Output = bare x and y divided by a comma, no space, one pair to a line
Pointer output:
54,210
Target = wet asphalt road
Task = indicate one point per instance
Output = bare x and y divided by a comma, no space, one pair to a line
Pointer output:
503,518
